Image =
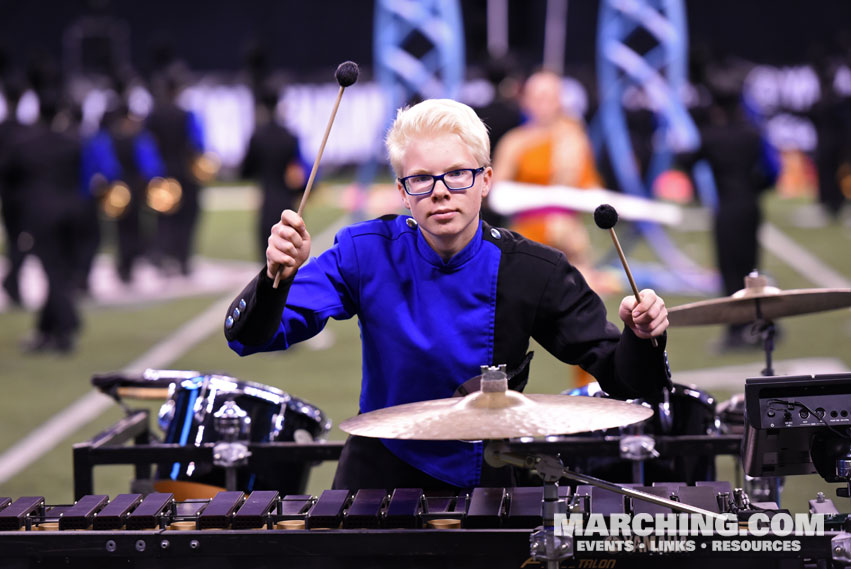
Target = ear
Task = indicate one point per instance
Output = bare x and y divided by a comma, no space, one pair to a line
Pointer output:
487,181
405,199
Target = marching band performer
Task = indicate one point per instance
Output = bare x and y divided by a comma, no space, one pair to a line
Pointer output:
437,294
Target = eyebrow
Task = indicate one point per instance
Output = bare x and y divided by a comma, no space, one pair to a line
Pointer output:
451,168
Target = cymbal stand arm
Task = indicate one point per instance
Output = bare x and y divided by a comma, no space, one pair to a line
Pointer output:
674,505
546,467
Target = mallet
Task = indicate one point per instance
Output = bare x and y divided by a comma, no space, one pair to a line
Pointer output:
606,217
346,75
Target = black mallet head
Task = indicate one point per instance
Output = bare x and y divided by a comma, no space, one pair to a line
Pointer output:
347,73
605,216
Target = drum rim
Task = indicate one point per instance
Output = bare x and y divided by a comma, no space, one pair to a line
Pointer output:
285,401
285,396
696,393
690,391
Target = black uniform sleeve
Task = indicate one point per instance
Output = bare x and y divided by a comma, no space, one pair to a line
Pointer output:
542,296
640,369
255,314
575,328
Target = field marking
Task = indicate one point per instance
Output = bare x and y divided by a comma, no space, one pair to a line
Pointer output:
733,377
57,428
800,259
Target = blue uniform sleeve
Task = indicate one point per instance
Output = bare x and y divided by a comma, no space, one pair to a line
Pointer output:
196,132
147,156
770,164
306,166
323,288
99,157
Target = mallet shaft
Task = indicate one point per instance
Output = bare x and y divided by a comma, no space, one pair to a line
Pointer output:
313,170
628,273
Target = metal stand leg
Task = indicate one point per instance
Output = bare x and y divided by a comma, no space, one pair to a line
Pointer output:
768,331
766,489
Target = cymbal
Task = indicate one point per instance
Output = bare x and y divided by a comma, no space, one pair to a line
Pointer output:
495,415
759,302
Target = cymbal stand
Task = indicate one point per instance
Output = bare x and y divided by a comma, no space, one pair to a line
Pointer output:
770,488
546,544
767,330
638,448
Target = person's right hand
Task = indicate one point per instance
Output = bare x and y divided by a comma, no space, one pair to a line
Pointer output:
289,246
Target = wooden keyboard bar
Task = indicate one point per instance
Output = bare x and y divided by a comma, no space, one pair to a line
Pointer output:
114,515
14,516
256,510
81,514
220,510
148,514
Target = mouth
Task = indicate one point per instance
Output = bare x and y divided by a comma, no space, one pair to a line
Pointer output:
443,213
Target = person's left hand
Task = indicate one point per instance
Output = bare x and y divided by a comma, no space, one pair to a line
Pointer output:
648,318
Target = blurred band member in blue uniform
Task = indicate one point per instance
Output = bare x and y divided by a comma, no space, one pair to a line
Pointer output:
179,138
129,158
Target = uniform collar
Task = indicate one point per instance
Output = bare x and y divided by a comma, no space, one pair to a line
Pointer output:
456,261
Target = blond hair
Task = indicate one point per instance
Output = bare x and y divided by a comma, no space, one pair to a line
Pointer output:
435,117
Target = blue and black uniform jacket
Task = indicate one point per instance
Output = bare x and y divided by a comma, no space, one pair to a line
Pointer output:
427,325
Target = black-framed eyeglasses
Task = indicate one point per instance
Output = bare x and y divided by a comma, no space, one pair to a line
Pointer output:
455,180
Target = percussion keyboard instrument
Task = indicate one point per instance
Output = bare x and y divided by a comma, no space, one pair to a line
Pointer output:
367,528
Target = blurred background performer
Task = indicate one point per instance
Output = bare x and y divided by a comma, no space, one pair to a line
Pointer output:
48,160
129,160
734,150
551,148
273,159
12,192
501,114
831,117
180,140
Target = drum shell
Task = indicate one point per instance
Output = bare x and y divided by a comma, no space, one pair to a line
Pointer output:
273,415
692,412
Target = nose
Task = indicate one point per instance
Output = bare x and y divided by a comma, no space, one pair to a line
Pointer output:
440,190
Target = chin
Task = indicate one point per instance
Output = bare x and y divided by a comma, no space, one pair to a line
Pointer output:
450,226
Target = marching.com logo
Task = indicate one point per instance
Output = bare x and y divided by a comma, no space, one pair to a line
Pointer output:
759,524
670,533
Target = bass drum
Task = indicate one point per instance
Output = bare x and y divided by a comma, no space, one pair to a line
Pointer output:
690,412
270,415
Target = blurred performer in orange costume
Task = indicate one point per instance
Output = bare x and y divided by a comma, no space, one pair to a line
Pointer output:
552,148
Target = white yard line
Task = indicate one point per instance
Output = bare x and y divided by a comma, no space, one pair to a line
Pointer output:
733,377
800,259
